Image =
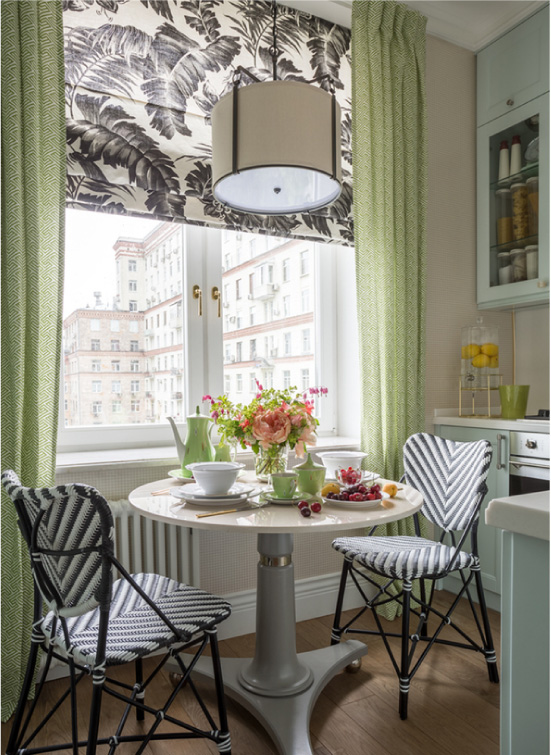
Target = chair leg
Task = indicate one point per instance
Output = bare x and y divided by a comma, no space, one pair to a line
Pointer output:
489,650
404,665
224,743
140,715
336,631
15,734
95,708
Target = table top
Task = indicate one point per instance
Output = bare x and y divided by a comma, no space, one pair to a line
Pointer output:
280,518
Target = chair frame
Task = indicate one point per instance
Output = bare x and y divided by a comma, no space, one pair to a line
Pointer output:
407,665
133,696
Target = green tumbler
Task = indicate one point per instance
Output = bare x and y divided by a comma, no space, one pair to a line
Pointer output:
514,399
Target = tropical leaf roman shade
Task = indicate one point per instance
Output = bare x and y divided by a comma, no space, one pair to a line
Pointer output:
142,77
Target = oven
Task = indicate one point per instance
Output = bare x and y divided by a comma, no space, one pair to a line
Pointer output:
528,462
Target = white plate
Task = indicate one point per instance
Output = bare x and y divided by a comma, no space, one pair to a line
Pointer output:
356,504
179,493
196,491
269,496
177,474
215,503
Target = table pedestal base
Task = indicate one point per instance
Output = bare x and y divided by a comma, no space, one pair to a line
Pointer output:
287,719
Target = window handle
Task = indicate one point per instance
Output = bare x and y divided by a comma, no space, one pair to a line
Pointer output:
217,297
198,294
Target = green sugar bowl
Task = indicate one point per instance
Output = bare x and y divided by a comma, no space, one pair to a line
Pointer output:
311,476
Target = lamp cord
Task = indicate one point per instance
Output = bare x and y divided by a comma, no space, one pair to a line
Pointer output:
274,50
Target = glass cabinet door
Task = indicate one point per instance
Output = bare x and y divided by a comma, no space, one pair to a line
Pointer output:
513,206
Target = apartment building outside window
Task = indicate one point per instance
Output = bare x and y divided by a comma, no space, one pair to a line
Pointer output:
116,386
116,407
96,386
304,262
305,300
115,326
286,306
134,346
134,386
132,285
306,341
94,345
116,366
252,386
252,348
134,365
239,382
287,344
238,288
132,306
238,351
286,270
96,365
94,324
115,345
305,379
252,313
135,406
96,408
286,378
132,266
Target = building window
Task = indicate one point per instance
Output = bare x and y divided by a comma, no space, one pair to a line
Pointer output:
96,365
252,347
287,344
252,386
306,341
238,288
115,345
116,386
227,383
132,306
134,386
132,266
251,285
133,326
132,285
94,324
252,312
305,300
96,386
134,365
305,378
305,262
239,382
116,366
286,306
116,407
96,408
238,351
286,378
286,270
134,346
134,406
95,344
115,326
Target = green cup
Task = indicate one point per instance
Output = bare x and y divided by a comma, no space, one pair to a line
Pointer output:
514,399
284,484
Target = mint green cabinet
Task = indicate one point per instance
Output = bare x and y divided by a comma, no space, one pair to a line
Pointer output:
489,538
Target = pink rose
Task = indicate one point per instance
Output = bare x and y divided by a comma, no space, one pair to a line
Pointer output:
271,427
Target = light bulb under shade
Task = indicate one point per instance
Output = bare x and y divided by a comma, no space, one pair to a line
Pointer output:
287,149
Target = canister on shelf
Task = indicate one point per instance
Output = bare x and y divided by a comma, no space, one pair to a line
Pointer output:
518,258
519,197
532,187
531,262
503,171
504,216
505,271
516,156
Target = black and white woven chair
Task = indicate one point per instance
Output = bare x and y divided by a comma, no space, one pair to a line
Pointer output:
94,623
452,478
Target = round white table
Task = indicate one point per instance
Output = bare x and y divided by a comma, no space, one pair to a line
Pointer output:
278,686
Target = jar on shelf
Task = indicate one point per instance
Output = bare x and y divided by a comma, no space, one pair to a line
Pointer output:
479,357
504,215
532,188
519,199
518,259
532,252
505,269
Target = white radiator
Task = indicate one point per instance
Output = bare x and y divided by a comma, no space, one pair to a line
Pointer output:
143,545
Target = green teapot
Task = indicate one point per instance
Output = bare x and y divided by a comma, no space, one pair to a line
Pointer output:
311,476
198,445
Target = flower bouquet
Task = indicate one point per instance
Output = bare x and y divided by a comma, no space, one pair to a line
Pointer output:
271,424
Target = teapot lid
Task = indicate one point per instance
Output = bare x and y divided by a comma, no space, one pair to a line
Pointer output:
198,415
309,464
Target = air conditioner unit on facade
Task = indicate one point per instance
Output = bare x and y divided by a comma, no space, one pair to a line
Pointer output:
232,318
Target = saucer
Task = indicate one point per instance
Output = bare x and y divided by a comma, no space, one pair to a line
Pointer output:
177,474
196,492
209,501
269,496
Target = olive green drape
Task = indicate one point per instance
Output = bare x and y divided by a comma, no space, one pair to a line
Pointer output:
389,135
33,198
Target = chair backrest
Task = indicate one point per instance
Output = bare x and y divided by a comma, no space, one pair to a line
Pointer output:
69,532
451,477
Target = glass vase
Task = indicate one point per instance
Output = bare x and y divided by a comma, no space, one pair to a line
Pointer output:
271,460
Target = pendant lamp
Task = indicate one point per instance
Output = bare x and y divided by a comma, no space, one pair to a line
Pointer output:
276,144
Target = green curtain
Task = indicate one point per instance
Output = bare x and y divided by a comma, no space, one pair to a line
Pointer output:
389,135
33,198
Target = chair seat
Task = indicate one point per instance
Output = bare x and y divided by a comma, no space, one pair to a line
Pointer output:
402,557
135,630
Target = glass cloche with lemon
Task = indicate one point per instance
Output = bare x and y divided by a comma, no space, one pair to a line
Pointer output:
479,357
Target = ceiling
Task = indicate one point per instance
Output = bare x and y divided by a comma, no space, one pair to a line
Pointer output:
468,23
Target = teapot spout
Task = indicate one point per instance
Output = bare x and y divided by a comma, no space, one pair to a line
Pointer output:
180,447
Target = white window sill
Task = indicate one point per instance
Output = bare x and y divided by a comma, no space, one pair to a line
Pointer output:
160,456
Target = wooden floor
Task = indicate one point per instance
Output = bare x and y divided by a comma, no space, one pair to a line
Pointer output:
453,708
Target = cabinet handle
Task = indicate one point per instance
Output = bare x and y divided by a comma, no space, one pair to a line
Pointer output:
510,102
499,465
217,296
198,294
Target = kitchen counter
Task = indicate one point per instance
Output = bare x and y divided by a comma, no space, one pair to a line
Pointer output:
520,425
523,514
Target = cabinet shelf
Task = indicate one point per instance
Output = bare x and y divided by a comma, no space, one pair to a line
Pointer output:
517,244
530,170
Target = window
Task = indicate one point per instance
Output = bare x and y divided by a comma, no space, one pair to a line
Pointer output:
287,344
132,285
115,326
134,365
116,386
238,288
306,341
286,270
134,406
305,300
94,344
253,387
239,382
286,378
116,366
227,384
238,350
132,306
134,386
94,324
134,346
305,379
252,313
96,386
115,345
133,326
96,365
252,348
304,262
286,306
96,408
251,285
132,266
116,407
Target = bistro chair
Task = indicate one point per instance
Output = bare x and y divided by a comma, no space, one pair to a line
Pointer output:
94,623
452,479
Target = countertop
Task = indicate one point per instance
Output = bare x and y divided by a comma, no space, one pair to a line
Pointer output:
520,425
526,514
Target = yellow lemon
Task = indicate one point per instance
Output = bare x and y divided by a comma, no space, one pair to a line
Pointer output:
331,487
494,361
490,349
470,351
481,360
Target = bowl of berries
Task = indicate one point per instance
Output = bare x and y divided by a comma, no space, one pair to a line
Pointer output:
358,495
333,460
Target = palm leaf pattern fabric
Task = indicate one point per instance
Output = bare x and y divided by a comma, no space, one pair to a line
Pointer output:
142,78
